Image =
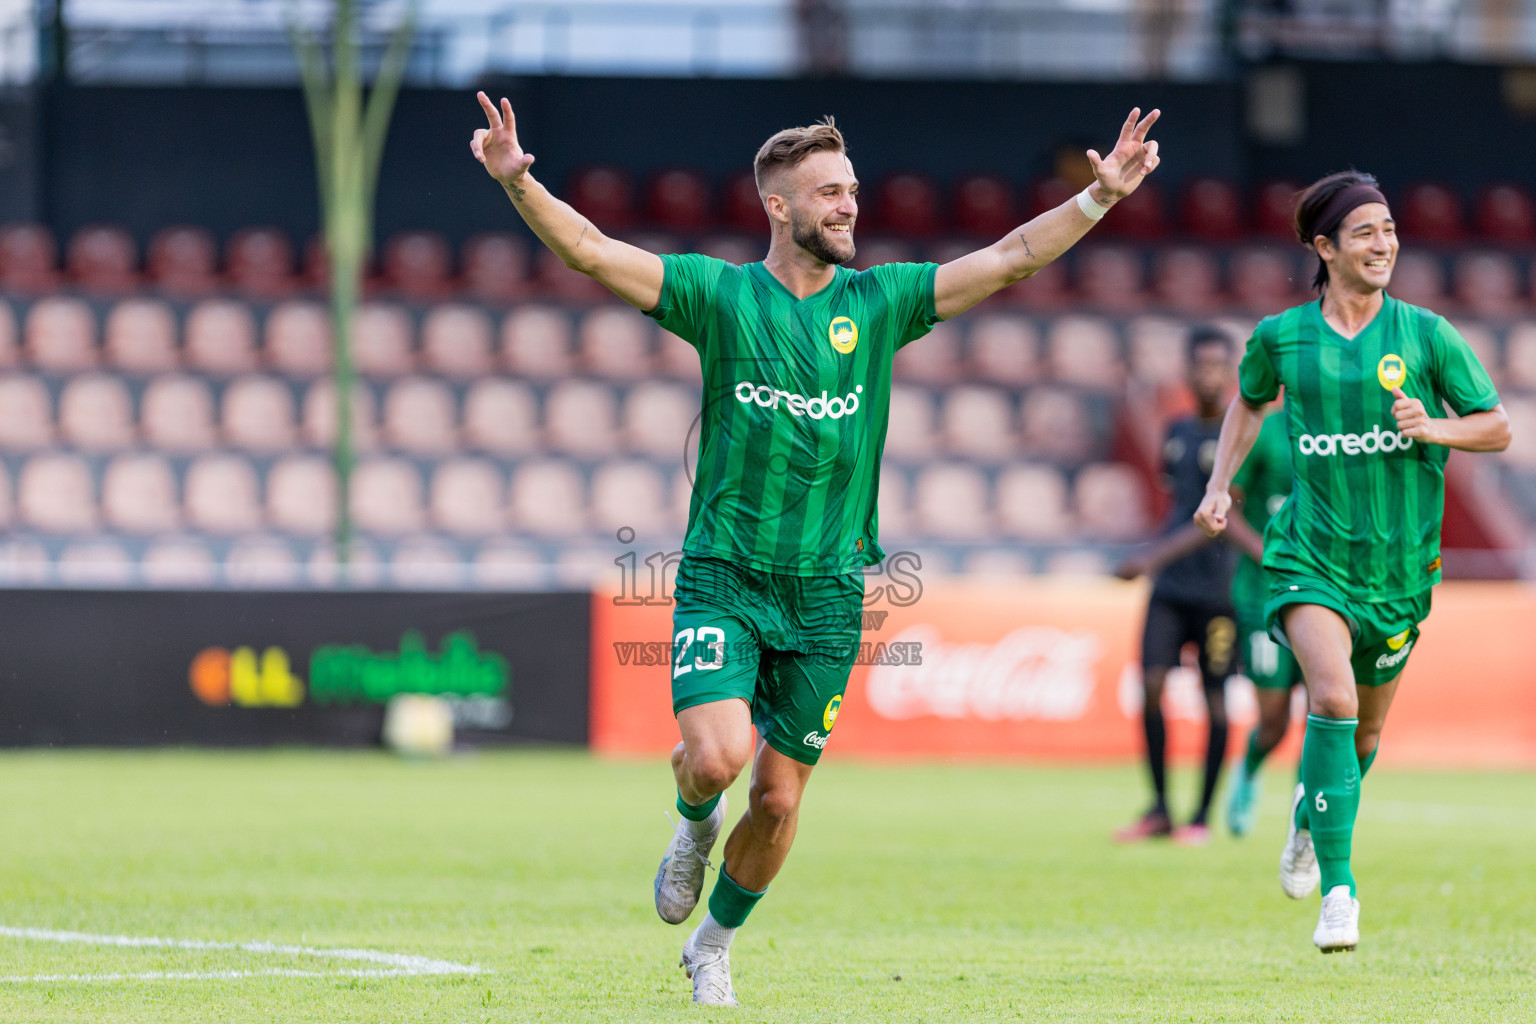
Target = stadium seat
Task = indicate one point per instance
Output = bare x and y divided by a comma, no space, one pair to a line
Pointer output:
220,495
1505,214
1488,284
260,263
547,498
1485,345
25,562
502,565
1521,453
950,502
1110,278
1049,193
96,413
1419,278
1212,209
679,200
983,205
1083,350
456,341
1077,562
501,417
138,494
176,414
579,419
908,205
737,249
659,420
419,417
1519,357
28,258
1055,425
1003,349
301,495
632,494
1430,213
10,345
258,414
931,359
381,341
183,261
178,563
427,563
743,206
1274,212
997,563
1157,350
1186,280
1048,288
536,343
606,195
910,436
299,339
7,498
387,497
141,337
467,498
26,413
496,265
103,258
260,563
676,358
221,338
1032,503
872,252
1264,280
315,267
61,335
977,423
895,504
56,494
95,563
418,265
1111,502
364,567
318,416
1140,215
614,342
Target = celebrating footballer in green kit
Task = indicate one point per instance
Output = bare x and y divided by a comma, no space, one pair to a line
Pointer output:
1353,553
796,352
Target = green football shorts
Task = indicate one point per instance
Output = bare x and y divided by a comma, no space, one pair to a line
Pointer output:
784,644
1269,665
1384,632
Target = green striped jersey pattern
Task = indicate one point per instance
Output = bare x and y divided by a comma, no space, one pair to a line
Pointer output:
1265,478
1366,505
795,405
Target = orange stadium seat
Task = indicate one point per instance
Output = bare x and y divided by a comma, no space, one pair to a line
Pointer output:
419,416
258,414
1506,215
659,420
220,494
61,335
1111,502
419,265
260,262
679,200
387,497
1212,209
178,562
1157,350
1419,278
908,205
1032,503
977,423
547,498
632,494
496,265
467,498
1264,280
743,206
141,337
301,495
183,260
10,348
382,341
456,341
579,419
26,413
604,194
176,414
536,343
56,494
299,339
138,494
1003,348
1109,277
501,417
426,563
615,342
950,502
1488,284
932,359
96,413
317,423
261,562
1275,209
1430,213
984,206
910,436
1187,280
95,563
1084,350
221,338
28,258
1054,425
103,258
1141,214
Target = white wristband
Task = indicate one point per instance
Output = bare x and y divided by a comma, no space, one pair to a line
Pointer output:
1091,207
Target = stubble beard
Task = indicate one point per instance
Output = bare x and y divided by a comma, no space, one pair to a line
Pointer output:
813,239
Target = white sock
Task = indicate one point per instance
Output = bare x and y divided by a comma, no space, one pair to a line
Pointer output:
700,828
712,936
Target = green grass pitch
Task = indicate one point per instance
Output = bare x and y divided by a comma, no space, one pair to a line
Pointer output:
915,893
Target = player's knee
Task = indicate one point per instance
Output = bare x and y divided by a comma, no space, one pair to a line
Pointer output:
777,804
1339,704
713,769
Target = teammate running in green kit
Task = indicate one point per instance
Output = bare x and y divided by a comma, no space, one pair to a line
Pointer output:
796,353
1354,551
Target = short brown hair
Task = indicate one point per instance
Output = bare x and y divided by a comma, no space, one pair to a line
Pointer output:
789,147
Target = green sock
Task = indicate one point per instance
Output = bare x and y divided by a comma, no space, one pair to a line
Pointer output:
729,903
1255,756
1331,773
1368,760
697,812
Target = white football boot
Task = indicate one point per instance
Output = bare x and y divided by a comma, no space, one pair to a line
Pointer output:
711,973
680,879
1338,926
1299,873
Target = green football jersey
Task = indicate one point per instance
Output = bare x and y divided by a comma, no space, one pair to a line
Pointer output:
796,400
1265,478
1366,508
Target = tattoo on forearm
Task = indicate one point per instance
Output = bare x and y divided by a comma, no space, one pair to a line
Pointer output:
1027,250
515,192
582,235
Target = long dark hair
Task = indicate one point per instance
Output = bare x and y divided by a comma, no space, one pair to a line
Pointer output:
1310,204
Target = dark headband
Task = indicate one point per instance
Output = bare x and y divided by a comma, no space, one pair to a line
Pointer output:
1343,203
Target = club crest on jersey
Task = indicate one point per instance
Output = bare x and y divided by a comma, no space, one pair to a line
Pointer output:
1396,642
1392,372
843,333
830,715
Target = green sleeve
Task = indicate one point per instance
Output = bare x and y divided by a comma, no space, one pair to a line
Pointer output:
688,289
1257,380
1460,380
908,290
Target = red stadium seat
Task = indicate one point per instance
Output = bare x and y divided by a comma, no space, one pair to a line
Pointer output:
382,341
1049,193
679,200
1418,278
1506,214
1110,276
28,258
614,342
103,258
10,346
1111,502
605,194
1186,280
496,266
1139,215
1488,284
183,261
1047,289
977,423
1263,280
260,262
1275,209
1004,349
1084,350
1054,425
1212,208
456,341
743,206
558,281
984,206
1431,213
418,264
908,204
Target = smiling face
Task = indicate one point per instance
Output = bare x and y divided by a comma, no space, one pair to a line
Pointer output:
1366,252
817,201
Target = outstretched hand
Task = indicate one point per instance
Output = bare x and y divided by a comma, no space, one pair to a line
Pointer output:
1132,159
496,147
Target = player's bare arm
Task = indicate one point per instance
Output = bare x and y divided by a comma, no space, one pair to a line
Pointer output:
1238,432
1159,554
966,281
1238,533
631,273
1486,431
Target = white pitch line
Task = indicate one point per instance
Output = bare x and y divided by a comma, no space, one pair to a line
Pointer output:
397,965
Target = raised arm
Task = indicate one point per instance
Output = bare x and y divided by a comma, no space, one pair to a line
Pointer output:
631,273
966,281
1238,432
1486,431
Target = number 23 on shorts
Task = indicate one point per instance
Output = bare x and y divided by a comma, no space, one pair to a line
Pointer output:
686,659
